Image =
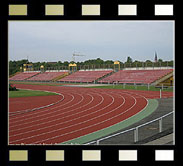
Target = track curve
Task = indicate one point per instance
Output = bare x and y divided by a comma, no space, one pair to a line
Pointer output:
82,111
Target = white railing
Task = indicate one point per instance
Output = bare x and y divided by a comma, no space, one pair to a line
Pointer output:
135,129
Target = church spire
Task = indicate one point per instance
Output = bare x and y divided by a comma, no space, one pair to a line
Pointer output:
155,58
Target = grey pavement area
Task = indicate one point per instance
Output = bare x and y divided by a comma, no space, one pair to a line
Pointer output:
150,132
161,141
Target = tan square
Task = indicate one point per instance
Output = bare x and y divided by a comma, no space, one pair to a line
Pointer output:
18,155
91,155
54,155
54,10
127,155
15,10
90,10
127,10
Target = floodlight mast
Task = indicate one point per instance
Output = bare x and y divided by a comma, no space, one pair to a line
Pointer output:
76,54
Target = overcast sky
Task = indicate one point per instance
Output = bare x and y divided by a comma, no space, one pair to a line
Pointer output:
52,41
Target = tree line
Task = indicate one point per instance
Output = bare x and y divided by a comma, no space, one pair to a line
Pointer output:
14,66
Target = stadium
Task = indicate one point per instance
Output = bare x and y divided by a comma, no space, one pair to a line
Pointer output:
105,103
91,82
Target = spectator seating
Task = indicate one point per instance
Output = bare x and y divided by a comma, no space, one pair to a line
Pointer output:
46,76
23,76
136,76
85,76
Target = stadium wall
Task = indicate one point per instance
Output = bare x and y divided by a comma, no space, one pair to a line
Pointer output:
146,68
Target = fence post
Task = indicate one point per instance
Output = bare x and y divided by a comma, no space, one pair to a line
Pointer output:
135,85
97,142
123,85
148,86
160,93
160,125
136,134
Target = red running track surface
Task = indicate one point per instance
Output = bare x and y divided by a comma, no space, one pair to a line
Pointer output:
82,111
28,103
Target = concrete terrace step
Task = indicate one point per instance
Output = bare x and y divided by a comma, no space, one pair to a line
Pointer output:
161,141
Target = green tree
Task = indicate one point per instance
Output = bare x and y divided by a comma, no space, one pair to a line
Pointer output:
129,60
160,60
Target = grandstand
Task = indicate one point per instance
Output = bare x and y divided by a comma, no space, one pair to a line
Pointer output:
155,76
136,76
47,76
24,75
86,76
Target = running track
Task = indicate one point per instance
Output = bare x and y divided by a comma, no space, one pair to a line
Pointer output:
80,111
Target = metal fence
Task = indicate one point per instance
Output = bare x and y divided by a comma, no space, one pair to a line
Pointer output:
135,130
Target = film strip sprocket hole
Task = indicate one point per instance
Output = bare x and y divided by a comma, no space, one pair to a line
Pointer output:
91,155
91,10
84,152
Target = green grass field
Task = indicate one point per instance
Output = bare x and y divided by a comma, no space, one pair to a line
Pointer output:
28,93
139,87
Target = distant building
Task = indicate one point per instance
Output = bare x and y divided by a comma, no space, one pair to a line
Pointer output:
155,58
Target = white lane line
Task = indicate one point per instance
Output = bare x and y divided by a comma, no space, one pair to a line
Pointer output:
47,117
67,92
92,99
143,96
50,113
17,113
62,113
60,119
72,114
47,110
78,118
90,125
82,98
54,107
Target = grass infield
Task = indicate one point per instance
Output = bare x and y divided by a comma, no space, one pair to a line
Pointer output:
28,93
119,86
